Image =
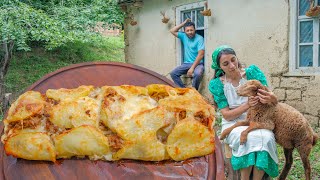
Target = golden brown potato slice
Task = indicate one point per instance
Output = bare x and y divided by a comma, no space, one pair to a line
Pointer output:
188,139
82,141
159,91
31,146
24,130
71,94
145,123
147,148
29,104
140,136
120,103
130,90
189,103
76,112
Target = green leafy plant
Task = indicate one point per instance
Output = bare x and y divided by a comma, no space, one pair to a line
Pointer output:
218,121
50,24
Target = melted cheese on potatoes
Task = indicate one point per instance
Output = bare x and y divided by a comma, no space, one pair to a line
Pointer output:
31,146
152,123
81,141
189,138
69,114
29,104
121,102
140,136
71,94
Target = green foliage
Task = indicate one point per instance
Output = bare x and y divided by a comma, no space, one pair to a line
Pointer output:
19,23
28,67
1,115
54,22
218,122
50,24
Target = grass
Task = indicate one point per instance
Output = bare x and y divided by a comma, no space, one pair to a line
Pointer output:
28,67
297,170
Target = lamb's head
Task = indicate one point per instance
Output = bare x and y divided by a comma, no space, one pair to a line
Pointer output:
250,88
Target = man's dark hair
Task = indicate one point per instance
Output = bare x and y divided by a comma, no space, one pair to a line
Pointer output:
189,24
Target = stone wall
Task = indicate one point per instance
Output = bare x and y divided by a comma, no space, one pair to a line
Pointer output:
302,93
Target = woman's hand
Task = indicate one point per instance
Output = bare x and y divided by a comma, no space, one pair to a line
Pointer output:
231,114
253,100
267,97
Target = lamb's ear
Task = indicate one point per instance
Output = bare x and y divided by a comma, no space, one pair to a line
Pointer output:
263,87
252,87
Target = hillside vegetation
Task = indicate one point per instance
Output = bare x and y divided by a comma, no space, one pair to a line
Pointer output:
28,67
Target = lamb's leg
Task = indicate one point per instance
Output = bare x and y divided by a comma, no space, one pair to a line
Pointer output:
227,131
287,165
304,152
253,126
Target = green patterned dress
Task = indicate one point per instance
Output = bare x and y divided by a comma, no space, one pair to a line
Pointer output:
260,148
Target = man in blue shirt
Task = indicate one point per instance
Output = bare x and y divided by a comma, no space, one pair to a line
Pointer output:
193,45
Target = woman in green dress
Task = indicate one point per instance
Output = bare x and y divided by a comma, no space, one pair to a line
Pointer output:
259,153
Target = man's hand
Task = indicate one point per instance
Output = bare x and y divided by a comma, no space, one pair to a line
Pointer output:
187,20
267,97
195,63
175,29
190,72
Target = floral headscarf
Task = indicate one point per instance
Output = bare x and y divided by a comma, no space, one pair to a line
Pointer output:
215,54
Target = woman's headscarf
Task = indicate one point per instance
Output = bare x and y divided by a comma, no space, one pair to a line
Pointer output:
215,54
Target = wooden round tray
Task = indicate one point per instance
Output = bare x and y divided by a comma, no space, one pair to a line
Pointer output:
100,74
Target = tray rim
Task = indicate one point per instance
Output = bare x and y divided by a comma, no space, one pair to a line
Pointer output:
94,63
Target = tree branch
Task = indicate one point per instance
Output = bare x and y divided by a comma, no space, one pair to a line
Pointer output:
7,56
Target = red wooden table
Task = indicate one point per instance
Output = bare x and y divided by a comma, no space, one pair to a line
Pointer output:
100,74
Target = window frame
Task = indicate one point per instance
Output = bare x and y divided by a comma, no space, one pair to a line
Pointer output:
294,43
195,17
179,10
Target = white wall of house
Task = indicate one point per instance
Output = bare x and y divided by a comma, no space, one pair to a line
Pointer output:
259,31
256,29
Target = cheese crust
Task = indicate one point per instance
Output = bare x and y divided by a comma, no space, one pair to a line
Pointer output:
151,123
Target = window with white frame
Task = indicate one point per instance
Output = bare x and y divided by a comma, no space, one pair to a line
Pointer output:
305,41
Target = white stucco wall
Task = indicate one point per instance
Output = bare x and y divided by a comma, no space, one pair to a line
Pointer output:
149,43
257,30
